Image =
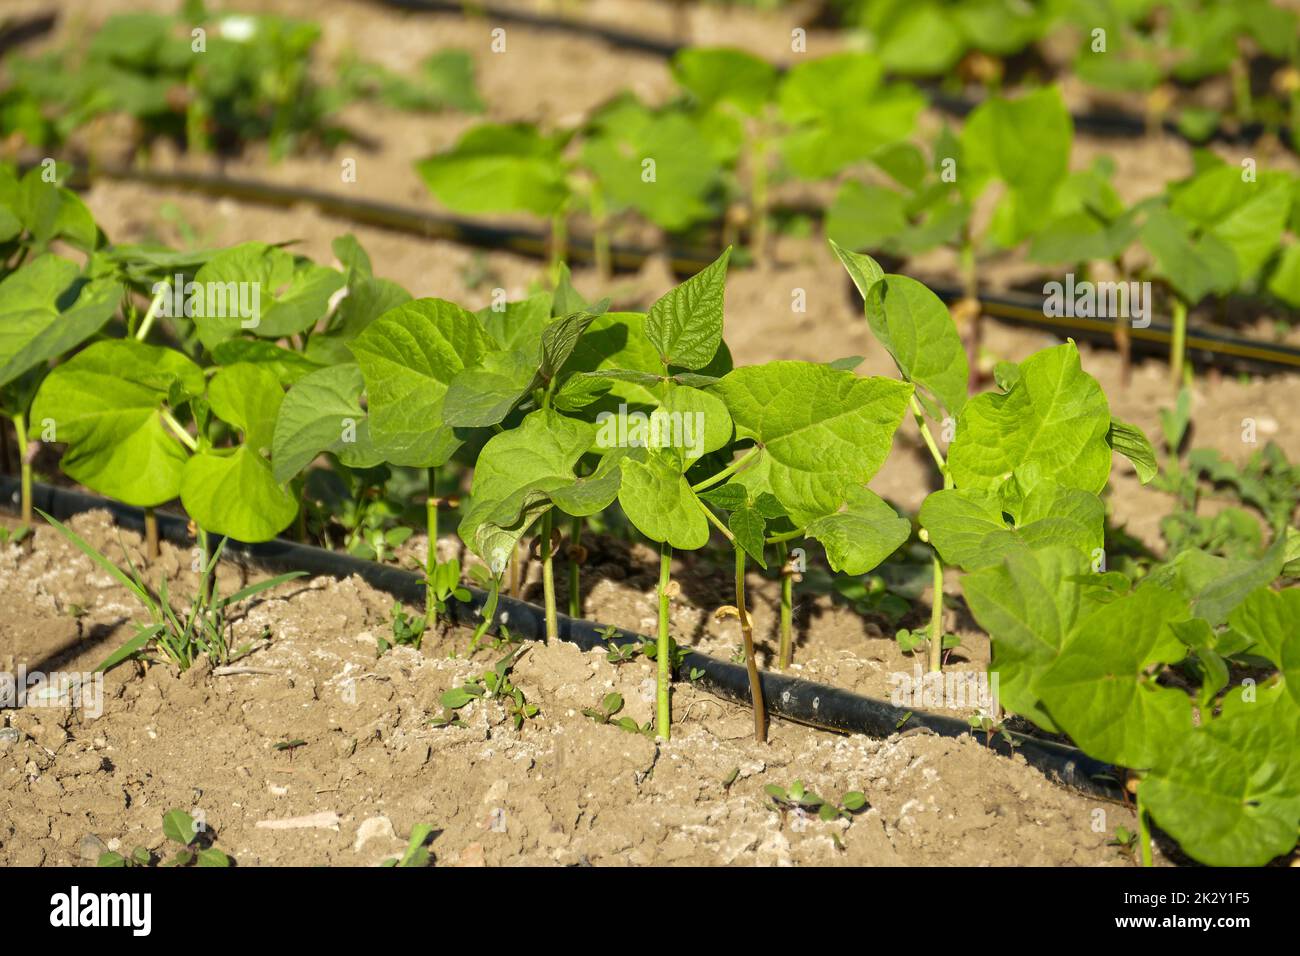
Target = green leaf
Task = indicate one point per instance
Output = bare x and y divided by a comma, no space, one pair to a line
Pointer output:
178,826
863,270
518,325
823,431
838,112
1194,266
232,492
748,526
1131,442
1025,143
213,857
625,135
499,168
287,366
46,309
854,800
1099,690
248,397
323,413
456,698
517,472
915,326
409,356
658,500
968,528
1229,790
1028,603
724,75
685,326
261,289
1051,424
860,535
1272,620
105,403
354,259
560,338
484,395
1216,585
142,638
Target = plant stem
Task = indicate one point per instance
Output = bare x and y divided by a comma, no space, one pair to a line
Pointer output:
787,608
663,697
970,290
204,555
758,200
514,572
927,437
151,550
727,472
147,323
548,580
600,238
1178,347
559,242
24,464
431,553
936,617
1144,831
575,569
747,635
179,431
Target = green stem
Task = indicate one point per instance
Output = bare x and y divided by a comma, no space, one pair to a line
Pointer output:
548,580
930,443
179,431
716,521
489,612
786,536
559,242
936,617
758,200
431,553
147,323
1178,347
727,472
663,697
151,550
600,239
575,570
787,608
24,465
204,556
1144,831
747,635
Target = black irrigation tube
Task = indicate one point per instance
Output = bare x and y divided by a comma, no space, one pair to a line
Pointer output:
1112,123
801,701
1207,347
18,31
397,218
1211,348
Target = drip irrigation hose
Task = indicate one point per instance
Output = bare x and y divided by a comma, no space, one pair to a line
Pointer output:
1207,348
805,702
1111,123
532,243
1211,348
16,32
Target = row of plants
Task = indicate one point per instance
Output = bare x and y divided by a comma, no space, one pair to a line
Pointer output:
212,83
1224,231
714,153
560,413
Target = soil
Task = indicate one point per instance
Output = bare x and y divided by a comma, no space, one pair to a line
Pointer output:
563,790
372,766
